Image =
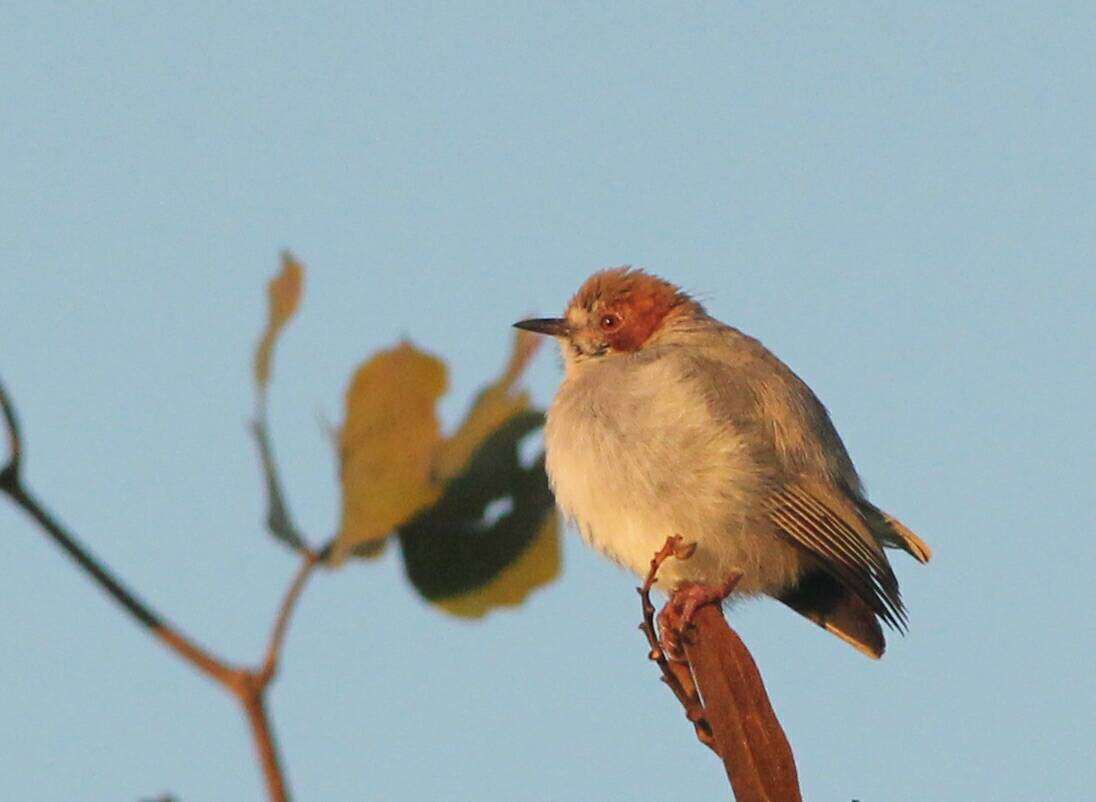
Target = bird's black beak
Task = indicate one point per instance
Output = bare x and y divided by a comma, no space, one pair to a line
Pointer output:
553,326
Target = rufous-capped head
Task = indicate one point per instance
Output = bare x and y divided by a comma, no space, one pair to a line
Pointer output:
619,310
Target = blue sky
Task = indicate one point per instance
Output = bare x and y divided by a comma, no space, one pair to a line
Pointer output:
897,200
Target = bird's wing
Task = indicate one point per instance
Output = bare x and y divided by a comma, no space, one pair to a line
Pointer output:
750,390
811,480
819,519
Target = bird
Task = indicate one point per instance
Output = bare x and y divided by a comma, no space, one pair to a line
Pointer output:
668,421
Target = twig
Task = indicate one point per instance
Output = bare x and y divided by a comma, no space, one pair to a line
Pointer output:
9,476
254,704
677,676
248,686
285,613
11,483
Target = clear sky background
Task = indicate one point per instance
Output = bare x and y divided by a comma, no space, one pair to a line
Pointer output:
900,202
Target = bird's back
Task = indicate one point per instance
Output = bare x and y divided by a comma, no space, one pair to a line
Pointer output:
815,500
752,392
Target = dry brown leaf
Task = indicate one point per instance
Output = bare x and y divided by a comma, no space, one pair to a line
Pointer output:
388,445
284,296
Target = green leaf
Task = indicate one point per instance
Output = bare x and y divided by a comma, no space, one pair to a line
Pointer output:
467,565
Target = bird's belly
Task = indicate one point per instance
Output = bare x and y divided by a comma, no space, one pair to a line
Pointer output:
627,526
631,477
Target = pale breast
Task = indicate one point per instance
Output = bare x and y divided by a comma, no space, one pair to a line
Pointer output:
634,456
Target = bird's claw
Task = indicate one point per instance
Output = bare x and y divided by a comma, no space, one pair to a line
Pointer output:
677,614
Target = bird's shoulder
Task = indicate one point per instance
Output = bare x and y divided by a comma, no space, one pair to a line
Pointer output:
747,387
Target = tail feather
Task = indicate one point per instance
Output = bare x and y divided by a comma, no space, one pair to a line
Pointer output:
825,601
893,533
906,539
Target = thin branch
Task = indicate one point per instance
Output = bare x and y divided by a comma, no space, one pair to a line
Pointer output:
677,676
9,476
263,735
285,613
248,686
129,601
721,690
11,483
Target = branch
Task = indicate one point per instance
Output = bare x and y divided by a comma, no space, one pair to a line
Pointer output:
9,476
11,483
723,695
247,685
285,613
748,736
263,735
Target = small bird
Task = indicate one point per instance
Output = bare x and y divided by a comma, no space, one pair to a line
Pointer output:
671,422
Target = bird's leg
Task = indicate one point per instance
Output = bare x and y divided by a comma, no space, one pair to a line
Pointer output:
677,614
677,676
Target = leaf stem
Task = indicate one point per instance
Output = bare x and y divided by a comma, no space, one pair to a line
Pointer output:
285,614
278,518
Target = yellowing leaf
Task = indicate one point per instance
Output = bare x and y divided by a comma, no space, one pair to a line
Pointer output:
496,404
284,295
477,528
387,445
538,565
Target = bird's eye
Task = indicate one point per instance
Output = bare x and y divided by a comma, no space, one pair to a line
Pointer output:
609,322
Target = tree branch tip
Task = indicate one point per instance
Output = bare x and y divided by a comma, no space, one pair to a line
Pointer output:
10,473
684,551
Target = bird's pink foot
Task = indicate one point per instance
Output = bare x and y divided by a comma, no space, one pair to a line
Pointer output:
677,614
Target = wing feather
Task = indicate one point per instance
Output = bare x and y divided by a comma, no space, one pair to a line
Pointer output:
809,514
815,492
